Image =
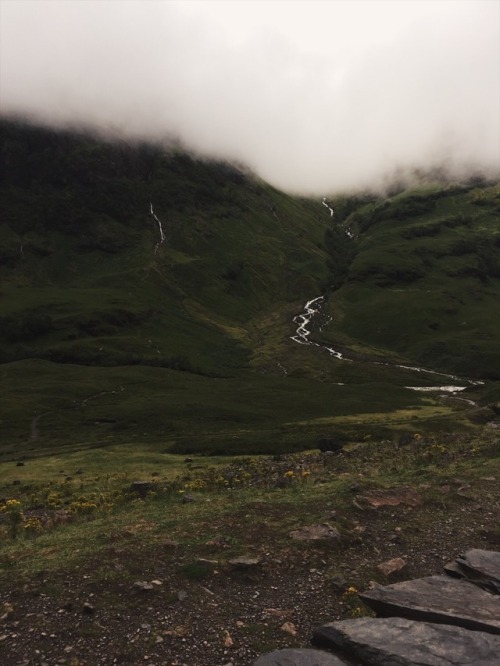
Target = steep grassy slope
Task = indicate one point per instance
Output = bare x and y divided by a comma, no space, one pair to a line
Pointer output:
424,283
84,280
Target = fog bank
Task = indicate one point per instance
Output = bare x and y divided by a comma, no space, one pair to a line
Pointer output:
315,97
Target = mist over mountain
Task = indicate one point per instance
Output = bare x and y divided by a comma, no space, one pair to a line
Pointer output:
332,97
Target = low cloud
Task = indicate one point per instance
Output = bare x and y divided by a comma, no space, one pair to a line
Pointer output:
425,94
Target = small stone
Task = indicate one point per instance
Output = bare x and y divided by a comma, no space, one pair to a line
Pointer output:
244,562
392,567
322,532
339,583
143,585
289,628
88,609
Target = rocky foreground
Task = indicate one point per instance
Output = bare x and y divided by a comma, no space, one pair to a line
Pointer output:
208,576
432,621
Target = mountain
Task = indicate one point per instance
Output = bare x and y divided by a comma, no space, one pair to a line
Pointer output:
81,241
150,295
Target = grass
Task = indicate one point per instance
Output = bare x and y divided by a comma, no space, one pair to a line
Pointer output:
288,493
180,412
425,280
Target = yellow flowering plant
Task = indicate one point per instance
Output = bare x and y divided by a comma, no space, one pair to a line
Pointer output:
13,509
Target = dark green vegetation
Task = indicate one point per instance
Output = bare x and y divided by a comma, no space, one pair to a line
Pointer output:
425,281
108,336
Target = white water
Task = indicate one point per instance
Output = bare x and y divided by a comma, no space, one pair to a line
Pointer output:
327,206
312,307
162,235
302,334
445,389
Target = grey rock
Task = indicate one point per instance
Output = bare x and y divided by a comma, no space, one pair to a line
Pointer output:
400,642
437,599
322,532
481,567
209,565
339,584
392,567
454,570
245,562
298,657
143,585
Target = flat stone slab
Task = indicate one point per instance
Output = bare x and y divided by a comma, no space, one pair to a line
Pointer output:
299,657
437,599
481,567
400,642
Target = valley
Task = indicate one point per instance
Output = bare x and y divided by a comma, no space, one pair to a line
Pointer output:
195,367
167,288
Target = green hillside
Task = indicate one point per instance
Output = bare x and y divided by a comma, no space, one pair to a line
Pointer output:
111,333
84,280
425,280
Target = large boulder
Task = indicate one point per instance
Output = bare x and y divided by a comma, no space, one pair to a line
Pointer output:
481,567
400,642
438,599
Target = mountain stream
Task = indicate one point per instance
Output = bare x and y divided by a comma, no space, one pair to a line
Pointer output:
302,337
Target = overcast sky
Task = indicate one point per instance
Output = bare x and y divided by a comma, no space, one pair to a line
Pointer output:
316,96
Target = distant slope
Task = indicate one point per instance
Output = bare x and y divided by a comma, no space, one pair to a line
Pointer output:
85,280
424,281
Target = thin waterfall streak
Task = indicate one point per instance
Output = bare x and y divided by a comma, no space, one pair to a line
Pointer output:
327,206
160,227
